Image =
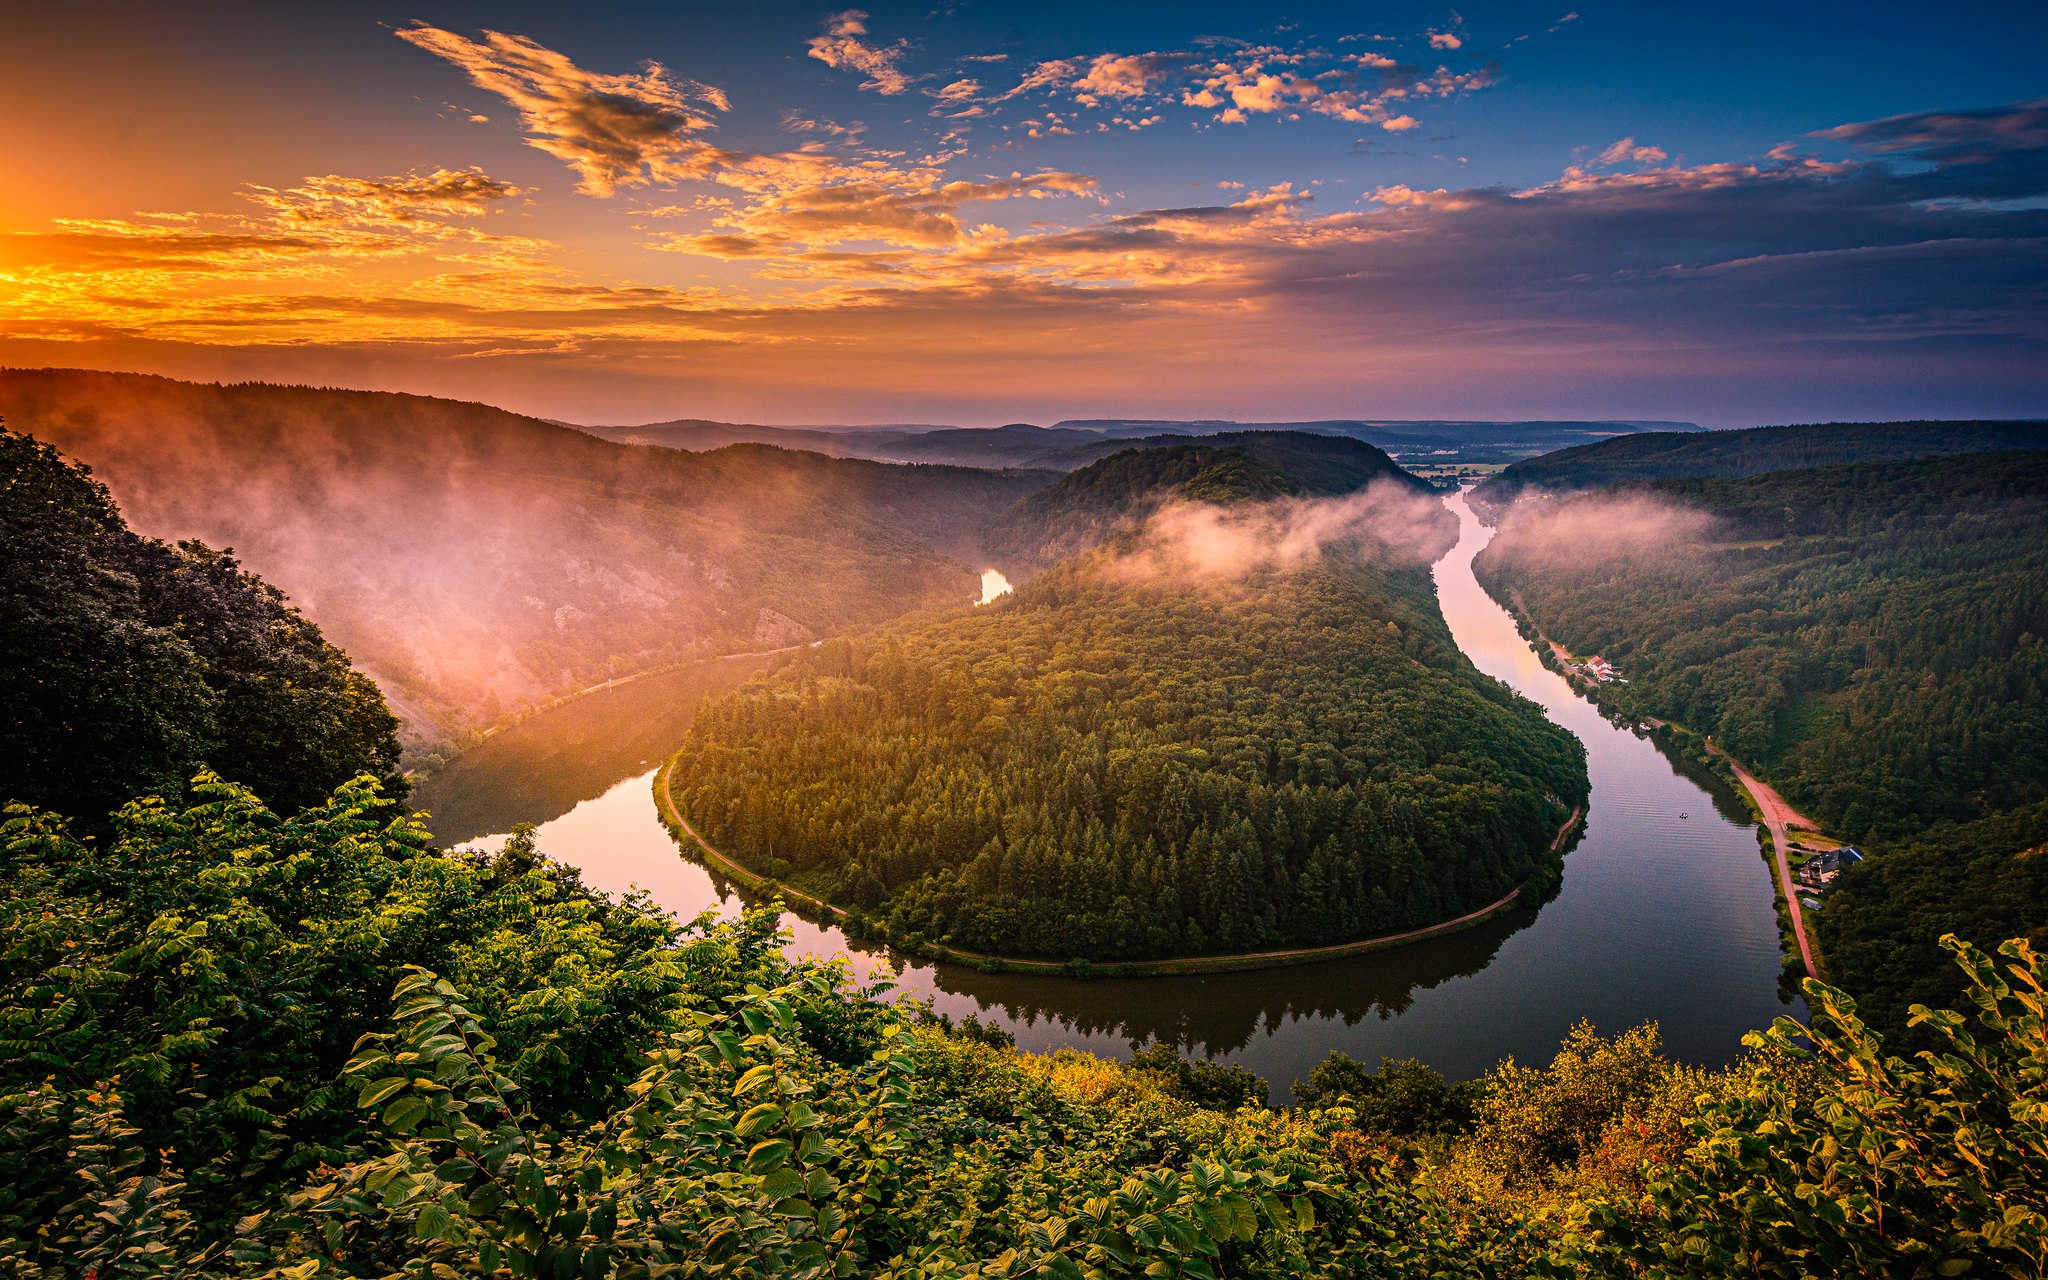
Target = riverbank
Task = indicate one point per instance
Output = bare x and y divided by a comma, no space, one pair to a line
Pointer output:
1778,817
858,925
1770,809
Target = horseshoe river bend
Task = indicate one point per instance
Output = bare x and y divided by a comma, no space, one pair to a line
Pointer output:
1665,914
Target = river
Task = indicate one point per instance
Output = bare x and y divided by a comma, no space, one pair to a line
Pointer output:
1665,913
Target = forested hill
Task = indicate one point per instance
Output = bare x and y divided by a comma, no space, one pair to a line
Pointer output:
1119,492
129,663
1126,759
1872,638
1668,455
474,560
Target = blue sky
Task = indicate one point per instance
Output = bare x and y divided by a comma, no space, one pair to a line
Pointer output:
988,212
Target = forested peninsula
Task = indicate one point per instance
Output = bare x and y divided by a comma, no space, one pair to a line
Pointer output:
1871,638
1129,758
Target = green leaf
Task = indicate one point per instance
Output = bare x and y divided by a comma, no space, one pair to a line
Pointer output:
762,1117
435,1224
767,1155
403,1114
376,1092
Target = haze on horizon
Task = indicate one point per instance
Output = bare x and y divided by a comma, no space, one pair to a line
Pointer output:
981,213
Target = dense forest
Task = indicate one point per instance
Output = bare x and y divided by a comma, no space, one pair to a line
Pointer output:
1112,763
476,561
1660,455
128,662
1873,638
257,1042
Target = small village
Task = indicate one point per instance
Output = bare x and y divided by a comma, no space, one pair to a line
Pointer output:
1820,865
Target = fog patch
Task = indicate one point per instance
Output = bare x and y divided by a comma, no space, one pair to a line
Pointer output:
993,585
1594,529
1201,540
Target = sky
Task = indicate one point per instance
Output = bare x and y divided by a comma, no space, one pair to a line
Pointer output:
982,212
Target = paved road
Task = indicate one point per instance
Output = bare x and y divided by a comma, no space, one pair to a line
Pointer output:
1778,815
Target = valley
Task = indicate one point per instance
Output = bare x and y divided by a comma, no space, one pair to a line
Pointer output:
1664,910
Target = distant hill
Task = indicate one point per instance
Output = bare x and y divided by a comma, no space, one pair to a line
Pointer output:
1666,455
475,561
1118,492
1068,445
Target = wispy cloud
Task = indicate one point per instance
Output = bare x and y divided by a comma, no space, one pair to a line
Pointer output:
334,199
613,130
1952,137
842,47
1235,81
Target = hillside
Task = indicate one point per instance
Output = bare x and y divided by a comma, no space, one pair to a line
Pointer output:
1671,455
1243,726
474,561
1872,638
130,663
1119,492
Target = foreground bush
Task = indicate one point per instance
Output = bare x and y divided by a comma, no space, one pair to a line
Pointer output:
204,1077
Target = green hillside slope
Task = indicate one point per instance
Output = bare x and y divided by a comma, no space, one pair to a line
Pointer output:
475,561
1671,455
128,662
1119,492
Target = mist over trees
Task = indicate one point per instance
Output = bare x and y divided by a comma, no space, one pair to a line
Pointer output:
475,561
129,662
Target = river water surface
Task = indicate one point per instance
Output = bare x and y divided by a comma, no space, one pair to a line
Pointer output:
1665,914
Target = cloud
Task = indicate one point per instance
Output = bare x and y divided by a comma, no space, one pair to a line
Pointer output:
1806,284
1445,40
613,130
1952,137
1235,81
1121,77
335,199
958,91
1626,151
800,208
1587,531
842,48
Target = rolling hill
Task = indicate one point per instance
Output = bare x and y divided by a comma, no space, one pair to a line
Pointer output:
475,561
1671,455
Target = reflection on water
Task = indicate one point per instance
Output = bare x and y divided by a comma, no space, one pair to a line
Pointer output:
543,767
1665,913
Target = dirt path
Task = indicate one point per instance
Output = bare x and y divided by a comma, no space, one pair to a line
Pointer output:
665,798
1778,817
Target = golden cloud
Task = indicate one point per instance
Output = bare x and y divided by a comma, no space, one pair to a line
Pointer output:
613,130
